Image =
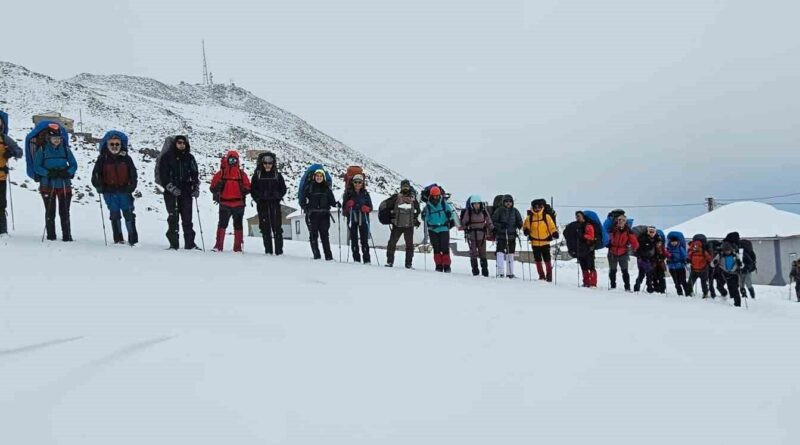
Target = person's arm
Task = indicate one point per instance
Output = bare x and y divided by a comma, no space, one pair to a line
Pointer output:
281,186
97,181
588,233
634,242
38,164
551,226
245,184
133,176
12,147
72,163
215,181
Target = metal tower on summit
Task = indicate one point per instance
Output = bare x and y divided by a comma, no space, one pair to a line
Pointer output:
208,78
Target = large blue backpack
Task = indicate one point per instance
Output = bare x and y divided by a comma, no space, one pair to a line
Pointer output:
600,236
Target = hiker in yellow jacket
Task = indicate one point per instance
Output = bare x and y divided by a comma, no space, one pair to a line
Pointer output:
540,228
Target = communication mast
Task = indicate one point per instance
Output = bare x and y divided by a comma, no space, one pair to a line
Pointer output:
208,78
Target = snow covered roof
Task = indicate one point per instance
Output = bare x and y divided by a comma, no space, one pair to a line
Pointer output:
750,219
376,197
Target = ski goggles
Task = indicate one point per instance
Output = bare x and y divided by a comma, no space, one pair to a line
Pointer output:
232,161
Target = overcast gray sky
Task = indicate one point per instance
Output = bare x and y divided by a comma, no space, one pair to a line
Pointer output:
606,102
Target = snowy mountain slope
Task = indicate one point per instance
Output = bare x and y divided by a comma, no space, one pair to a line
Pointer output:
217,118
141,345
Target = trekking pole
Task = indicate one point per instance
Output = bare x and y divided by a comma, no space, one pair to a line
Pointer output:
530,272
375,249
424,242
339,226
102,218
200,224
52,200
11,200
521,263
347,236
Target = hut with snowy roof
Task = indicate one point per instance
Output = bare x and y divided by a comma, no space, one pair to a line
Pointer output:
775,235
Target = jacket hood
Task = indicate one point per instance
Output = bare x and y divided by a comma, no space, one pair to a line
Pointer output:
4,118
103,145
223,163
677,236
508,198
539,201
264,155
175,139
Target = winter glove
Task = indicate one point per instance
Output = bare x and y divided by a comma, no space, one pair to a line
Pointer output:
196,192
526,232
556,235
4,169
176,192
99,190
8,154
416,223
365,209
348,206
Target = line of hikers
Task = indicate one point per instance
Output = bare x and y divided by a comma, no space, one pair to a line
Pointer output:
50,161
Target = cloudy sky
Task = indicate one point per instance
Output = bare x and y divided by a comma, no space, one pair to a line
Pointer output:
613,102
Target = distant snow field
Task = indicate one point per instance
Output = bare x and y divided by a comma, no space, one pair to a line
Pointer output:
120,345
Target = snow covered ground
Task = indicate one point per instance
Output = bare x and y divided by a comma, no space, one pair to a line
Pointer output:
139,345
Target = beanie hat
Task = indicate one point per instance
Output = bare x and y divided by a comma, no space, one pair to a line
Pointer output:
435,191
358,177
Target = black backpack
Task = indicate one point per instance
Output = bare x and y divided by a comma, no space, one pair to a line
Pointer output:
425,194
385,210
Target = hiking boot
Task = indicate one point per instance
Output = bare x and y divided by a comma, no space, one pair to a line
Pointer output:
439,268
219,245
409,266
484,267
511,276
474,263
388,265
238,240
447,270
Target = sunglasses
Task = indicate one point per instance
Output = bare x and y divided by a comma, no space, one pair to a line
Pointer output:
180,143
358,181
115,145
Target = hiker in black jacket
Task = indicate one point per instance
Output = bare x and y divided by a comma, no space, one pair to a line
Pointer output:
268,188
317,204
179,173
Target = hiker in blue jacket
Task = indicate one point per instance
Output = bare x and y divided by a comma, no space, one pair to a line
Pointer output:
677,259
438,217
357,208
114,176
55,166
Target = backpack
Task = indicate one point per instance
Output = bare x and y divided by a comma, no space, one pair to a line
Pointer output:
611,222
350,173
496,203
600,236
385,210
308,178
169,142
571,236
35,141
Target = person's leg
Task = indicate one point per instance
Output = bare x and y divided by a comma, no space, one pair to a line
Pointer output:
324,235
313,233
613,262
408,235
265,225
482,255
592,269
276,225
222,227
3,205
171,203
473,256
353,233
732,281
444,242
500,257
641,266
678,286
238,228
438,250
538,258
185,207
48,198
363,233
64,199
391,246
624,260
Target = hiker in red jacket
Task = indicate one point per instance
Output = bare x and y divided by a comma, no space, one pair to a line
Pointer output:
620,239
229,186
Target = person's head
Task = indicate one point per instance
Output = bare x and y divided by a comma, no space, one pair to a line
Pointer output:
181,143
673,242
233,161
651,232
405,186
319,176
476,206
537,205
114,145
54,135
358,182
727,248
580,217
659,243
621,221
435,194
476,202
508,201
268,162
